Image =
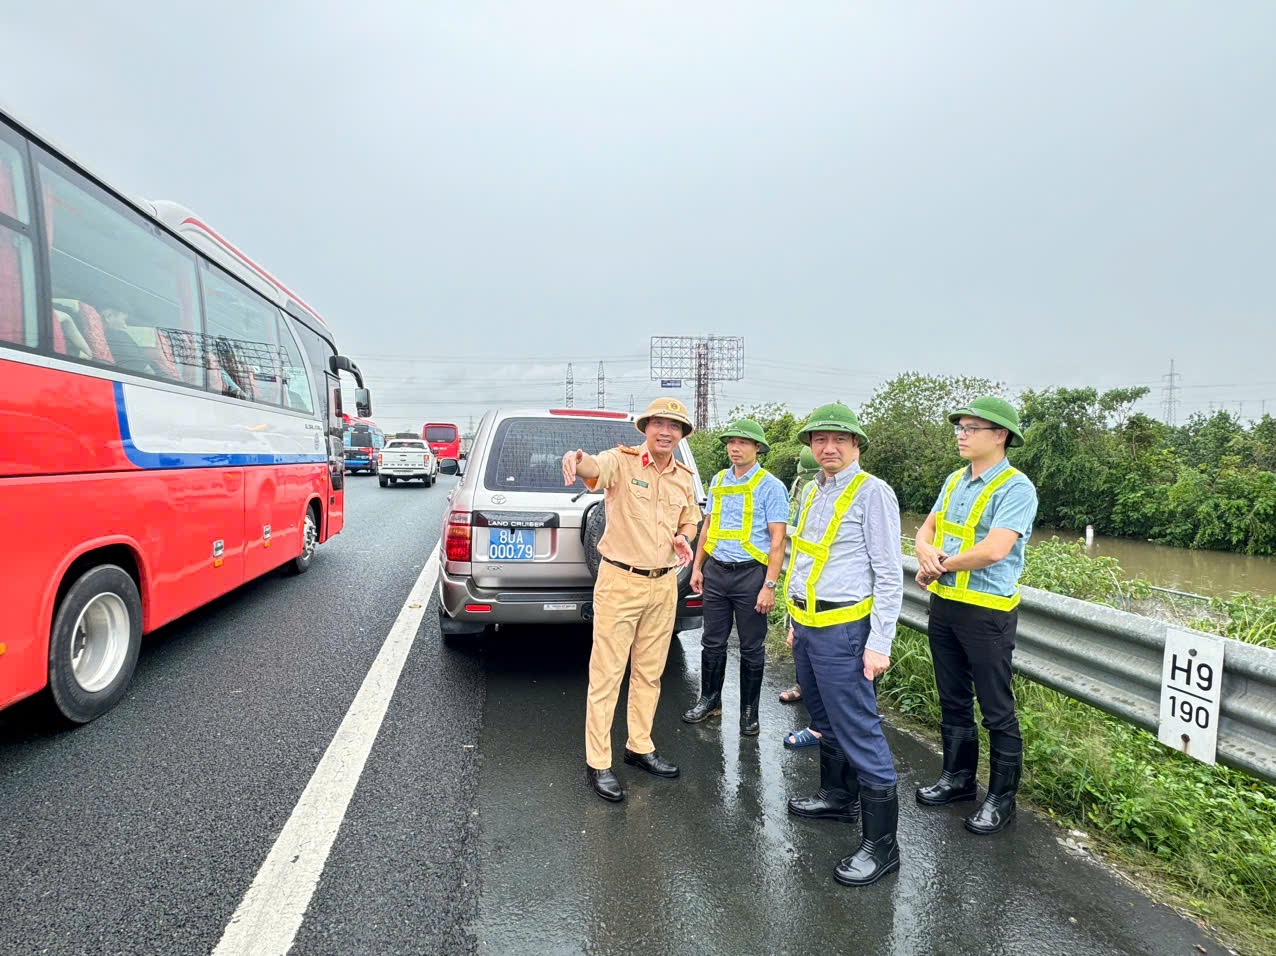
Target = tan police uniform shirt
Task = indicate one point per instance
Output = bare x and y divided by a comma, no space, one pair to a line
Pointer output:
645,507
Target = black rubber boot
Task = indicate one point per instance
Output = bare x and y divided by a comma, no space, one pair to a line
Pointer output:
750,696
838,796
998,808
713,671
961,761
879,852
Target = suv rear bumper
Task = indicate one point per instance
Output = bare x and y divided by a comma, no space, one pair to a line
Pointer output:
529,605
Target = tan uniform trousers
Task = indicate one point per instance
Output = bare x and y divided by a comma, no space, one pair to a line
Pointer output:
633,621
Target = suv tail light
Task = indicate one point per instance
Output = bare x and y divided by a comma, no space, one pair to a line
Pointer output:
456,545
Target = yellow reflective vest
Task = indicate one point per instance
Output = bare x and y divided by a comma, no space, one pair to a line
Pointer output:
819,552
966,532
744,533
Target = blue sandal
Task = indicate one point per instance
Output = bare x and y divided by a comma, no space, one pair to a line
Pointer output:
805,737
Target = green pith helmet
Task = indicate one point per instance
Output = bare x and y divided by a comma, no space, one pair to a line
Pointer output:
835,417
808,467
995,410
747,428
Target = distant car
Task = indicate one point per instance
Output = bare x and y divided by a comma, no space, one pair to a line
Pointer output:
519,547
407,459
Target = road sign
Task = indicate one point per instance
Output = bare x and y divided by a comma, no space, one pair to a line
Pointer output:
1191,686
671,383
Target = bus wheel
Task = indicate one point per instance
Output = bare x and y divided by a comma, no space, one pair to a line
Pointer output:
93,648
309,539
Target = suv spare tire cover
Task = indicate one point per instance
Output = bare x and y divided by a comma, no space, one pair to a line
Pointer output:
591,532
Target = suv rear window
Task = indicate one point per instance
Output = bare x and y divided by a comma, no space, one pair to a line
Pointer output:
527,453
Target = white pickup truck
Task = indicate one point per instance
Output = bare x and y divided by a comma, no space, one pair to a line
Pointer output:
405,459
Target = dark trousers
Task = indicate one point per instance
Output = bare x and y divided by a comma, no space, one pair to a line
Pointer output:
731,593
971,646
842,702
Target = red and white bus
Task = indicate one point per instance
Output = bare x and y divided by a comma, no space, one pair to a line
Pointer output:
171,417
443,438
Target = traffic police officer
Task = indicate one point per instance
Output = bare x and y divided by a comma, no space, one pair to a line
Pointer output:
970,553
845,589
652,516
737,568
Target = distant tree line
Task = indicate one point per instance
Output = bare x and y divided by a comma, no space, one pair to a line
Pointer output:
1209,483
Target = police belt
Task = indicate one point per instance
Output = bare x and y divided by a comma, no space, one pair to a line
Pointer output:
644,572
822,605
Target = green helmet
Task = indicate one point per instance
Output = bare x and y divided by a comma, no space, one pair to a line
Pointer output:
807,465
835,417
747,428
995,410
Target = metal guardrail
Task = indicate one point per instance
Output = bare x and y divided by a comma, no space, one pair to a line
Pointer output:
1112,660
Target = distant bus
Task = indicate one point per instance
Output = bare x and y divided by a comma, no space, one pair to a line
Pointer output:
171,417
444,439
363,442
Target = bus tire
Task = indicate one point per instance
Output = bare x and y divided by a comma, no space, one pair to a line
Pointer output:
309,541
94,643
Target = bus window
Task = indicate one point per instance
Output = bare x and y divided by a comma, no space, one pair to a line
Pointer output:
126,293
243,352
17,264
296,383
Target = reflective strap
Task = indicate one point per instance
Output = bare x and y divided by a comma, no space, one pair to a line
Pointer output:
819,553
966,534
744,533
966,596
841,615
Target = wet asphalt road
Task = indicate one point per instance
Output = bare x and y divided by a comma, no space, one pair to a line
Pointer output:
141,832
713,863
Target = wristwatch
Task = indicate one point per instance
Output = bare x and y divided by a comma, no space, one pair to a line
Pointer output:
769,585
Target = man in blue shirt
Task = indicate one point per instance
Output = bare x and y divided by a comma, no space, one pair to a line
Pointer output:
970,553
737,568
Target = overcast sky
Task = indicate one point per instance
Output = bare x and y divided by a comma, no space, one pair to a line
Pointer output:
474,194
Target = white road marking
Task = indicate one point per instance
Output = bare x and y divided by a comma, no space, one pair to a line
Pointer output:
271,912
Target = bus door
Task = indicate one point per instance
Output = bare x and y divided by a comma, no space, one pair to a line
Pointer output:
336,457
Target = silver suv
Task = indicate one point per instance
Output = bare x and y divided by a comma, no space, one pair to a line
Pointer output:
518,547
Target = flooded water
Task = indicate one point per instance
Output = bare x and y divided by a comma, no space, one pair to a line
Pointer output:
1213,573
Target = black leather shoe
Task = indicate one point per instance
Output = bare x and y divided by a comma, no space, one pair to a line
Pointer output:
998,808
961,760
879,851
652,763
839,793
605,784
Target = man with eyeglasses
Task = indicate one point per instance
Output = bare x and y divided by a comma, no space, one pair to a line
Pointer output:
970,553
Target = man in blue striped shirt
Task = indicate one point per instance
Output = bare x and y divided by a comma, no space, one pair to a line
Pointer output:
845,588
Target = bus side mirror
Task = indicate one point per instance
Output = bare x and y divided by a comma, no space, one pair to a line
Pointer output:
363,402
